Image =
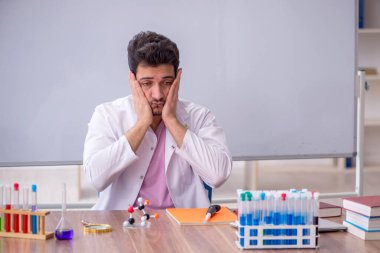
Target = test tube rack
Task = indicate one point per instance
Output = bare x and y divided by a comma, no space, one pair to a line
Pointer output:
41,233
254,232
256,237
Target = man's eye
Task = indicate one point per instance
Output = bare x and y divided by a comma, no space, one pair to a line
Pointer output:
168,82
146,84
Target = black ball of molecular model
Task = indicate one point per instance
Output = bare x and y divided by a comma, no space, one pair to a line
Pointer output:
141,206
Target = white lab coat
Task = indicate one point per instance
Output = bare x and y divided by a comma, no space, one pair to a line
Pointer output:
117,172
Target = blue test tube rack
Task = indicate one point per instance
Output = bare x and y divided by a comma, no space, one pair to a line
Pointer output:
272,236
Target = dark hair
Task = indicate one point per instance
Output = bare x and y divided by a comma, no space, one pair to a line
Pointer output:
152,49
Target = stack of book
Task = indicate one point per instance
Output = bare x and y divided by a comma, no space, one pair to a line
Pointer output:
363,216
327,210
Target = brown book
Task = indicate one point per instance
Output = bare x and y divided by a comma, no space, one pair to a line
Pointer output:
366,205
329,210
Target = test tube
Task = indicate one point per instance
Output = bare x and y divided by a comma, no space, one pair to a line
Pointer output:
269,213
297,210
256,210
239,204
303,208
243,214
283,207
34,209
264,214
274,193
316,208
7,216
284,213
25,207
310,208
290,213
307,201
250,208
263,207
316,214
16,206
1,207
276,214
276,209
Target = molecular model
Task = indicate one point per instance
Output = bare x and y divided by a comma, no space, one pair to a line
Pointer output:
141,206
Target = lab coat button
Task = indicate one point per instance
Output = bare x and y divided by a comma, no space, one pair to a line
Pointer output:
152,148
141,177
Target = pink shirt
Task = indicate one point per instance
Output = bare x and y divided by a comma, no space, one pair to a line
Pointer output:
154,187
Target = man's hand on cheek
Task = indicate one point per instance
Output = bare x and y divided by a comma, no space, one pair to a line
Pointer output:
176,129
169,110
142,107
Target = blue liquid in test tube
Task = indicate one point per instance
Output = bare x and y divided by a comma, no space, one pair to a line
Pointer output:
34,209
268,215
243,215
276,216
284,213
297,210
250,208
290,213
257,210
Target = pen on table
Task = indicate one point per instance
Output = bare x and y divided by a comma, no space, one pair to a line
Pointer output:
211,210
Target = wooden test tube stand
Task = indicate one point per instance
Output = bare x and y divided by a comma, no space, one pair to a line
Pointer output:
41,235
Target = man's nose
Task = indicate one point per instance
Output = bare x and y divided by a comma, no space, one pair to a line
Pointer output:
157,92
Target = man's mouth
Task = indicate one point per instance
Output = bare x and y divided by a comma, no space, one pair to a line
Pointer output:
159,104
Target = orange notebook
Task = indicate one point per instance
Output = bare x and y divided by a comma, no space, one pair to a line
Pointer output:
196,216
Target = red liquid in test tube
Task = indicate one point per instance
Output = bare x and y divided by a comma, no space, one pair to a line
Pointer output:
7,216
25,207
16,205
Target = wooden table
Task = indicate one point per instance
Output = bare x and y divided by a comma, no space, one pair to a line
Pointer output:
164,235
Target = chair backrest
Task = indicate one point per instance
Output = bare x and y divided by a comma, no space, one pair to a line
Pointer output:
209,190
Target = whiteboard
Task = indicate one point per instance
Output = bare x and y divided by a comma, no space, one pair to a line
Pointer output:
279,75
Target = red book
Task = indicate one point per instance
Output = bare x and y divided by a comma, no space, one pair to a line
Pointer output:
366,205
329,210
